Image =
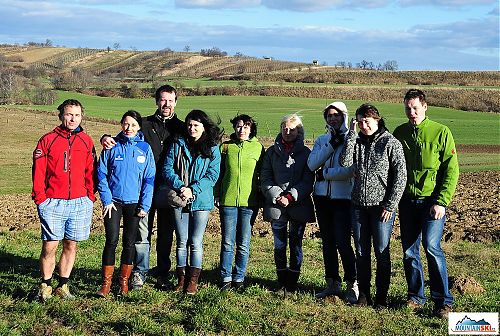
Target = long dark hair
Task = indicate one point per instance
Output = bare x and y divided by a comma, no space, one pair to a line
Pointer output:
211,135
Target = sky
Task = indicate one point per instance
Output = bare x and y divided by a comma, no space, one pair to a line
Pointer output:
417,34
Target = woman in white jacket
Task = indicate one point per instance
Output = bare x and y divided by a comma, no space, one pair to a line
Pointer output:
332,198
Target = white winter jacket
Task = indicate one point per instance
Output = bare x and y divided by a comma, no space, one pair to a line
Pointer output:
338,180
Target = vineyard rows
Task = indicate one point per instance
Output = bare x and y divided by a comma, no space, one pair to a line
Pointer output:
65,58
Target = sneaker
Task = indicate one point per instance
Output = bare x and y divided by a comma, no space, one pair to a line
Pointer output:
63,292
352,293
44,292
442,311
137,282
333,287
413,306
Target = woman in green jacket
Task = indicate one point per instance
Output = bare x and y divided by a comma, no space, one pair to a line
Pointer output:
240,167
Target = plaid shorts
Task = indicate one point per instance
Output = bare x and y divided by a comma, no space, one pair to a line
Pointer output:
66,219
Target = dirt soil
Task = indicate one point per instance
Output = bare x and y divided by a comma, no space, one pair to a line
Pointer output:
472,216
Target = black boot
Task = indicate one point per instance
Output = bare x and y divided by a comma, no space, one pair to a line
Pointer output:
282,275
291,280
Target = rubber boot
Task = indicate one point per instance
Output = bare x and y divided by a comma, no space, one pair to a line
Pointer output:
192,283
125,271
181,276
107,277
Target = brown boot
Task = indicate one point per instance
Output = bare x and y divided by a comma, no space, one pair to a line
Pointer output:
192,284
125,271
181,275
107,276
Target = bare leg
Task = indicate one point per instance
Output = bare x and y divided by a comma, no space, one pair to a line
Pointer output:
48,258
67,258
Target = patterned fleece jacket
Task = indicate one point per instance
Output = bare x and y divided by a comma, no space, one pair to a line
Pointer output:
379,169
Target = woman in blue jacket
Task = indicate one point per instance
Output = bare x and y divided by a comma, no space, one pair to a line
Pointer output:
201,155
125,177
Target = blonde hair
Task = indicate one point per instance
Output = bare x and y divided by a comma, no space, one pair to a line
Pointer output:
295,119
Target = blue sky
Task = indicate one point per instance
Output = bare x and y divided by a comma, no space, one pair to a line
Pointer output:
418,34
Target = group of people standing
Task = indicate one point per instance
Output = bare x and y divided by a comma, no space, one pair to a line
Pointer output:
179,170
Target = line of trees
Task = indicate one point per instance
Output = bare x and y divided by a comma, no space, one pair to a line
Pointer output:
390,65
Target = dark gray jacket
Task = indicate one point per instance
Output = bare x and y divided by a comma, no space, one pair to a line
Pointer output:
282,172
379,169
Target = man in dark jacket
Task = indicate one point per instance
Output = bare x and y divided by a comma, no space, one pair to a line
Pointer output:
159,129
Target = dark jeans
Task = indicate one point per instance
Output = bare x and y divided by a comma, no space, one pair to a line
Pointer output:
164,242
112,227
334,220
295,235
418,226
367,226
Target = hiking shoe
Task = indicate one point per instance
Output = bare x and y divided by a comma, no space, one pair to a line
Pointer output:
413,306
352,293
364,300
163,284
238,286
225,286
333,287
443,311
63,292
137,282
44,292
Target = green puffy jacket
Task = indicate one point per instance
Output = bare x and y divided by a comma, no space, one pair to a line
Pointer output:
431,160
240,168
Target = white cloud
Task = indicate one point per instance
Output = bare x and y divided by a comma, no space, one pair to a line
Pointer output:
447,3
216,4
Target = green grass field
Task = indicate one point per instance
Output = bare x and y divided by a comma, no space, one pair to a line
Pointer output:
257,311
467,127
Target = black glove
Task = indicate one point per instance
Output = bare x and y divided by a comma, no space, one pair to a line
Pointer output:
336,139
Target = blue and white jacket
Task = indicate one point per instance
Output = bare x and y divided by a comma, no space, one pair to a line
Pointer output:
203,174
126,172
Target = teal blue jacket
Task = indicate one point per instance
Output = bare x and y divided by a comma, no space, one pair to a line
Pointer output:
203,174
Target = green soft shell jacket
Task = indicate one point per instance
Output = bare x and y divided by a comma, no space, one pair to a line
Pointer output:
240,168
431,160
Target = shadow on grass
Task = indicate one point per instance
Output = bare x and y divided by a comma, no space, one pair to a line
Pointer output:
21,277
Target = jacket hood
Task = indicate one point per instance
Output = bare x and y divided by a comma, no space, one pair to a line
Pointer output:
341,107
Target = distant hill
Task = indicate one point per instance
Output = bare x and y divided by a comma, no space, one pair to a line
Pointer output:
127,63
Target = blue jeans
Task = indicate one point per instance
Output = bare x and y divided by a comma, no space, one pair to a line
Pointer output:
236,226
334,220
163,242
295,235
367,226
189,229
417,225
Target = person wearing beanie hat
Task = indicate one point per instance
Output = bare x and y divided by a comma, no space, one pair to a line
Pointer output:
332,198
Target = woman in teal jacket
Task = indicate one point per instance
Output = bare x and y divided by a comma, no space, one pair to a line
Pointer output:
201,155
239,190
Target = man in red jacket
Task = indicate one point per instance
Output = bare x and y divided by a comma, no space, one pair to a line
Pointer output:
63,190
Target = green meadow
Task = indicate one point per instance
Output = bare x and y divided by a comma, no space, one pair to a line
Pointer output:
467,127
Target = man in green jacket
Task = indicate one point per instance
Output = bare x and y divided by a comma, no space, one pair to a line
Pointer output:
432,166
